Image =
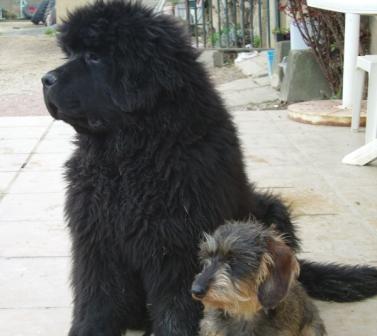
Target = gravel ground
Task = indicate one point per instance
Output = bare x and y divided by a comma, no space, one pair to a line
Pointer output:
26,53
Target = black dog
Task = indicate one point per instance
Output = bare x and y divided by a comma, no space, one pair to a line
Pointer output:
157,163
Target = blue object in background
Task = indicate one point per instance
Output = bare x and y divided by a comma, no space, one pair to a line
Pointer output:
270,60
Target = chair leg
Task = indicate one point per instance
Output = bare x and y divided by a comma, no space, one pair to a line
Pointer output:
359,79
362,155
371,127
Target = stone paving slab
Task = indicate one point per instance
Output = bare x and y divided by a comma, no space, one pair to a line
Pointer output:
34,239
355,319
34,121
35,321
5,180
238,85
34,282
39,182
253,92
12,162
263,81
253,96
32,207
58,145
310,201
335,207
22,132
265,140
17,146
267,156
47,161
38,322
257,128
255,66
60,130
341,175
291,176
345,242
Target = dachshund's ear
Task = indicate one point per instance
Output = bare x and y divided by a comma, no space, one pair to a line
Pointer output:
283,268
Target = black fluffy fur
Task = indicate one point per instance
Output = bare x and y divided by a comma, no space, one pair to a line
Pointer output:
158,162
341,283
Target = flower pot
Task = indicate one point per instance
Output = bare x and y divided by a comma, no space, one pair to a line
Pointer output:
282,37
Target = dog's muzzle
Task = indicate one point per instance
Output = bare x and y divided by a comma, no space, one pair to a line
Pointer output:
198,292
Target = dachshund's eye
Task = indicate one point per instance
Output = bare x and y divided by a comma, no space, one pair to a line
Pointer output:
92,58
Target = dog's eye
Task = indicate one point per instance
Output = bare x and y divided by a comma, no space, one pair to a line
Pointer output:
91,58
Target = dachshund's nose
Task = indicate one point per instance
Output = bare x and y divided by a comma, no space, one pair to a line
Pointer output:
198,291
49,79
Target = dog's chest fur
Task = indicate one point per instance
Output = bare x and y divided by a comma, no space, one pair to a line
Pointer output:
146,193
125,198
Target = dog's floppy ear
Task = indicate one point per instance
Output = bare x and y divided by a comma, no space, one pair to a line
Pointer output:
282,268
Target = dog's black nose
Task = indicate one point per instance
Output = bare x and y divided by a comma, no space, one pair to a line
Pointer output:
198,291
49,79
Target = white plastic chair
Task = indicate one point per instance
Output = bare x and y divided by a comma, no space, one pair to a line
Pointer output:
368,152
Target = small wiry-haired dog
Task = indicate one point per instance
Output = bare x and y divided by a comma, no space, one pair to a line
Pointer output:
248,285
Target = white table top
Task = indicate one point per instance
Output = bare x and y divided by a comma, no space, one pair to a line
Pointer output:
346,6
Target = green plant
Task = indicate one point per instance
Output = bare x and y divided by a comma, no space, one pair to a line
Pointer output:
257,42
235,37
50,32
215,37
279,30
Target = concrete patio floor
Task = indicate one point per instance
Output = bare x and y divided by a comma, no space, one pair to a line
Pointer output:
335,207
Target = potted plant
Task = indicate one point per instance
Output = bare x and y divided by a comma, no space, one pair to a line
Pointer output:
282,34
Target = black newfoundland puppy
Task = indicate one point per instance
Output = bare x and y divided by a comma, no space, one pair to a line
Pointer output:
157,163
